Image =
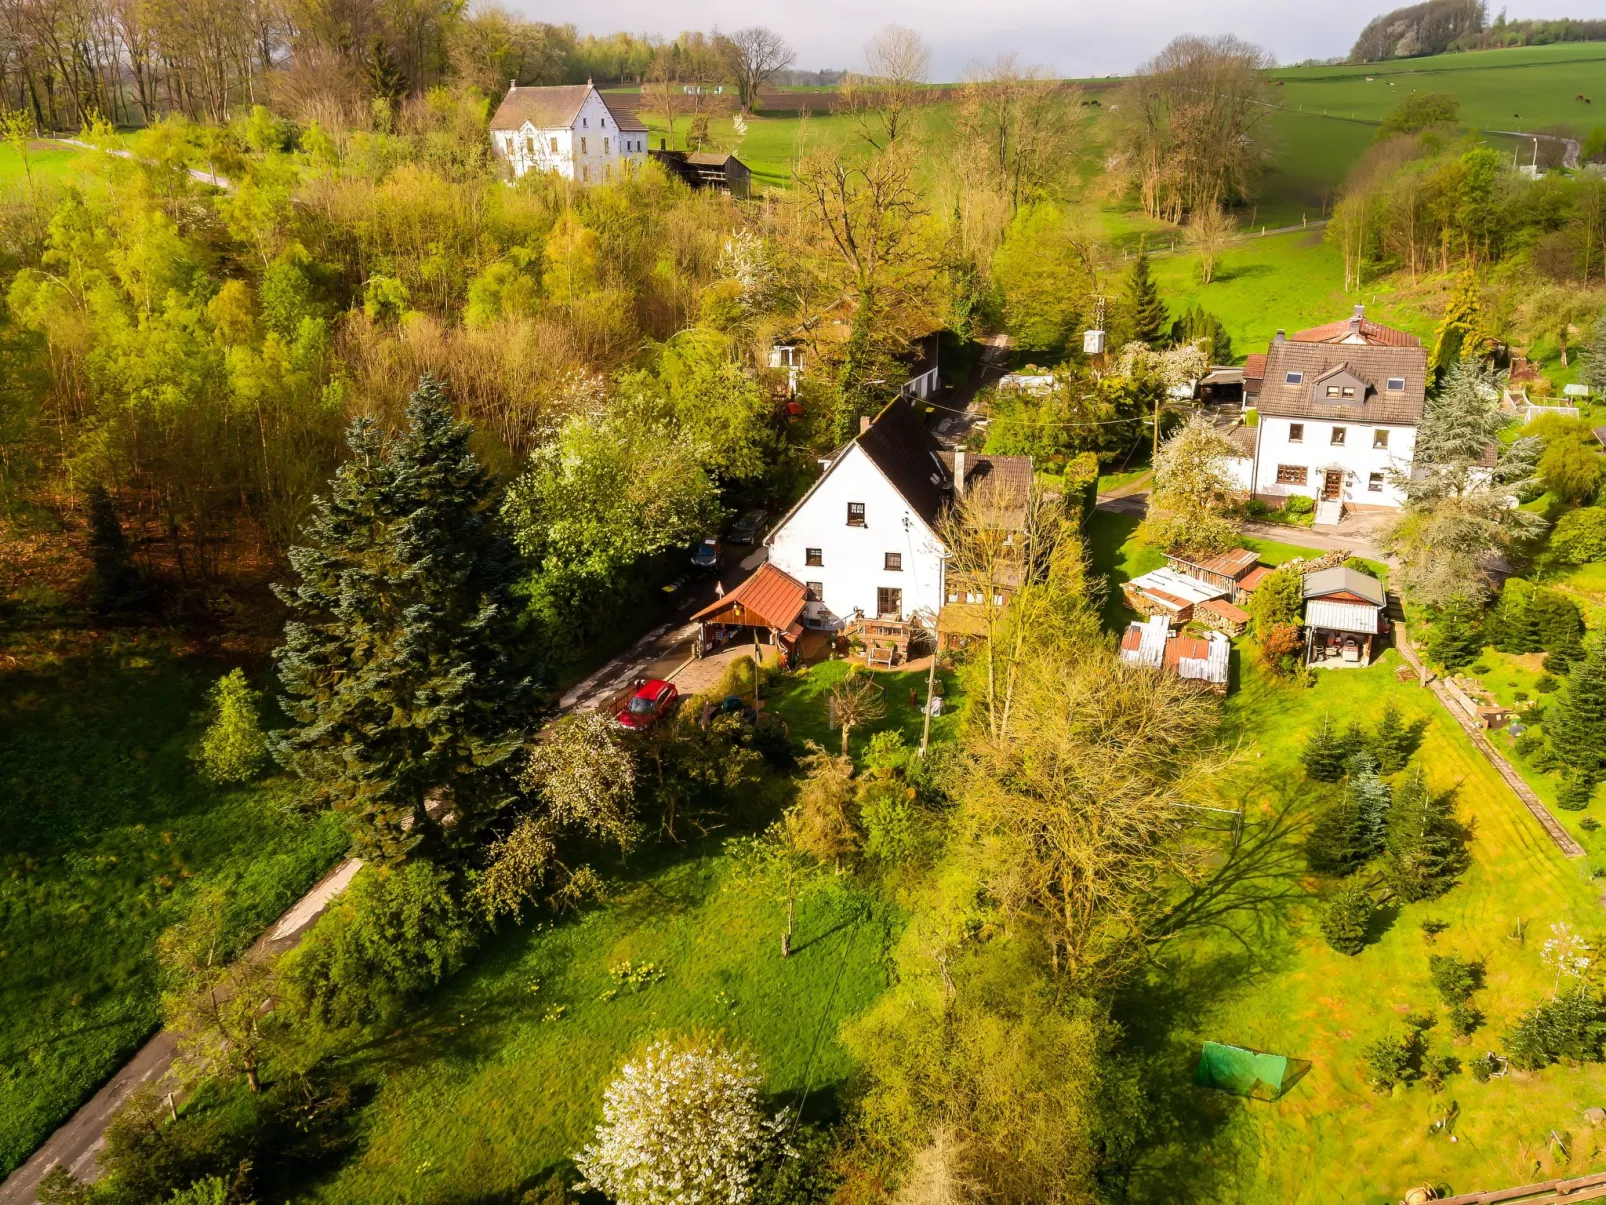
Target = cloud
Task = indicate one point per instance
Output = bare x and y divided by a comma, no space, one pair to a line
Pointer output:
1075,39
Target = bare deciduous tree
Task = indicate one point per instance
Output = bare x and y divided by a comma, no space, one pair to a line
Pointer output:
1209,230
897,61
855,700
1015,127
754,55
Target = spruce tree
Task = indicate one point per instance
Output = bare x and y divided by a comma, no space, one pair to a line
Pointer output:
1456,638
1594,356
1144,306
1392,743
1514,626
1559,627
1576,721
1348,918
1323,757
1373,804
117,587
395,662
1426,845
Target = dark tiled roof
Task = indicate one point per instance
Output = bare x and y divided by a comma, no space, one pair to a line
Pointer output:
899,444
1374,333
1242,439
625,117
1372,364
771,595
545,108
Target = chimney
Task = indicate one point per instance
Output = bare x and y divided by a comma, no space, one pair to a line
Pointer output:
864,423
1281,336
1355,320
959,471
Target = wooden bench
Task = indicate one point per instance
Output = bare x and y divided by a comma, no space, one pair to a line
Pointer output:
879,656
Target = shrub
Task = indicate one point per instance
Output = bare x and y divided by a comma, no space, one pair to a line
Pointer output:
1464,1018
1256,509
1544,759
1436,1068
394,934
1484,1066
1546,684
233,749
1348,918
1525,744
1580,536
1589,824
1395,1058
1279,649
1575,793
891,820
1299,504
1455,979
1570,1027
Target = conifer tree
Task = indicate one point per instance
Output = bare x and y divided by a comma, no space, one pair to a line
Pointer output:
1514,625
1456,637
1426,845
1576,722
233,748
1392,742
1351,832
1348,918
117,587
1324,754
1594,356
395,661
1560,629
1145,308
1373,804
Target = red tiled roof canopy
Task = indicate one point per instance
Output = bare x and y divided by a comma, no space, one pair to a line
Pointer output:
1255,366
770,598
1370,332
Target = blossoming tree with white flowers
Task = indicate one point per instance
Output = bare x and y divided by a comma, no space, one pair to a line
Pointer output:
683,1124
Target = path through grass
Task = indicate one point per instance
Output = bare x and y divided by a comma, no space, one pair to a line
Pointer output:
108,834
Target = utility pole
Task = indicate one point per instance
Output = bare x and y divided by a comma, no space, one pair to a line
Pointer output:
925,724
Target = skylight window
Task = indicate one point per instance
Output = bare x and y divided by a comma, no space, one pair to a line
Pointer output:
1294,378
1396,384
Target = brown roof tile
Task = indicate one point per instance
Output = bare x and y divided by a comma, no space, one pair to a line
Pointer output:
1374,333
552,108
1254,367
772,595
1372,364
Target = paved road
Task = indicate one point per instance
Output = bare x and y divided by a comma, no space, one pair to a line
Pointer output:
76,1143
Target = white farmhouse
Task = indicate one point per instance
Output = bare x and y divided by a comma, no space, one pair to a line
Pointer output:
1337,423
571,130
863,540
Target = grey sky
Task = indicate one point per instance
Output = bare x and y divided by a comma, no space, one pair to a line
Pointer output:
1076,39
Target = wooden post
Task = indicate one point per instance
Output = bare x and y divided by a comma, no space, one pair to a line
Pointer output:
758,664
931,679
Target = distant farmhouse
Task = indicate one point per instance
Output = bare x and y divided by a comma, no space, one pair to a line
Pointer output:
571,130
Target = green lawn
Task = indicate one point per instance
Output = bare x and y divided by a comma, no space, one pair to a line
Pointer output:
108,833
1263,977
800,700
1288,281
48,162
481,1097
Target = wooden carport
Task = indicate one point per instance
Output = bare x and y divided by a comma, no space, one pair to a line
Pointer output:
767,607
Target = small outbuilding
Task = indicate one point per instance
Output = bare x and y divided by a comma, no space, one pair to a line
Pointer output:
1226,571
1152,643
1169,593
717,170
1343,617
767,607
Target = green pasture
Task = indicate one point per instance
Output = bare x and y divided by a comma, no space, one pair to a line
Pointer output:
108,833
48,161
1287,281
496,1080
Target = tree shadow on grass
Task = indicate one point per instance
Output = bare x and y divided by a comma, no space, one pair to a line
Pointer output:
1217,939
1225,272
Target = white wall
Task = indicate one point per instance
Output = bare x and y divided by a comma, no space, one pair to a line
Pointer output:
853,566
593,151
1315,452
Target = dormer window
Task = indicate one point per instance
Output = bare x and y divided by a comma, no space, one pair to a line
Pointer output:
1396,384
1294,378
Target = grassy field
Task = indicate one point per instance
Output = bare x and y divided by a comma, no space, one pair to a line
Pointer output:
108,833
1288,281
801,702
482,1097
1253,970
488,1090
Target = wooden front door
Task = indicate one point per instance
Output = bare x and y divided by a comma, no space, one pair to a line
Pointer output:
1333,485
888,603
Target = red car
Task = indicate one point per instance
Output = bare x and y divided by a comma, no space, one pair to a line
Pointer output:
647,706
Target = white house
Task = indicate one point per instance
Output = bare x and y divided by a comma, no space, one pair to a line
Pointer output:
1337,423
571,130
863,539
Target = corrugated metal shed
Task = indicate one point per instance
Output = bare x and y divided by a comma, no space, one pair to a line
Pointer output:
1143,643
1212,666
1340,616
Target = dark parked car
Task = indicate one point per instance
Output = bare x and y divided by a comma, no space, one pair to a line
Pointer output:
709,555
748,528
651,703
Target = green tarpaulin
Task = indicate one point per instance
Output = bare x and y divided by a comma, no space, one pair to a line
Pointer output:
1244,1072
